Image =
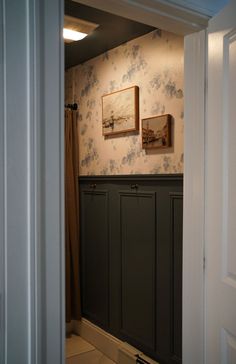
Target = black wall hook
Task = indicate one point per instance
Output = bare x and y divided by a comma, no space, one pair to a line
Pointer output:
72,106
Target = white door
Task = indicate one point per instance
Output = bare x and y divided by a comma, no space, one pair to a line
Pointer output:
220,230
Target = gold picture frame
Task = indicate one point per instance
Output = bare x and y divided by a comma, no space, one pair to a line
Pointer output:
156,132
120,111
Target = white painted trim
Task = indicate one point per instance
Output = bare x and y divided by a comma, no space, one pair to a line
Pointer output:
19,192
52,179
2,183
194,6
158,13
194,175
32,320
34,193
17,242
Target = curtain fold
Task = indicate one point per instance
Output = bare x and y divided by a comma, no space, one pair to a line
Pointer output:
73,301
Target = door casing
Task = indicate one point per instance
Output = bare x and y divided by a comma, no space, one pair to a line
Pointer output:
42,94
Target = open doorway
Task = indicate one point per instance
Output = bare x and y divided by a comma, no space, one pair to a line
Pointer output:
48,282
43,310
140,56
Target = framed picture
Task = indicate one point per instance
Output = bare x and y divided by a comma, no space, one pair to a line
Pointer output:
120,111
156,132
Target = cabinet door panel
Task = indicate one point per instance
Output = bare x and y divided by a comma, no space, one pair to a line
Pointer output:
137,229
176,264
95,253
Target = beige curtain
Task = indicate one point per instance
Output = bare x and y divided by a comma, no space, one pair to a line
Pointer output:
73,305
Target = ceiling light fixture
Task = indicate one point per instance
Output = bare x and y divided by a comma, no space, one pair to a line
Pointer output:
73,35
76,28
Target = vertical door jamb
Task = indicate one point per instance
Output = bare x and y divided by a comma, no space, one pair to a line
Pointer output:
194,199
2,186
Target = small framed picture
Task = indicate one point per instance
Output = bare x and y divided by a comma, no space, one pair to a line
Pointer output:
120,111
156,132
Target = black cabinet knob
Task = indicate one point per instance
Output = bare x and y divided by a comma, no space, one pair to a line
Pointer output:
93,185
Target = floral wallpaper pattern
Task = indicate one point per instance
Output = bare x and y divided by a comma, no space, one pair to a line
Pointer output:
154,62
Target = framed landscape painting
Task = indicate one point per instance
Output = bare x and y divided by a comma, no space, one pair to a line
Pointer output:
156,132
120,111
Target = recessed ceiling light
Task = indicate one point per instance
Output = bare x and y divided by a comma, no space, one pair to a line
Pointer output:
76,29
73,35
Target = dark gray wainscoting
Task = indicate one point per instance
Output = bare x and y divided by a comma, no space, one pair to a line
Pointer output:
131,259
95,250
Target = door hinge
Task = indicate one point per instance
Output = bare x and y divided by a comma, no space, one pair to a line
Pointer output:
204,263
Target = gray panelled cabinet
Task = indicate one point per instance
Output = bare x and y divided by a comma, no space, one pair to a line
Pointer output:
131,259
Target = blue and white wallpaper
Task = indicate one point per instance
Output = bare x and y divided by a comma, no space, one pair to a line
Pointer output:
154,62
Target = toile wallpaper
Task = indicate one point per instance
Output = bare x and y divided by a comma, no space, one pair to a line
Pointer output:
153,62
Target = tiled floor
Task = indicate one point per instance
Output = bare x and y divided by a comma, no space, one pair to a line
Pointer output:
79,351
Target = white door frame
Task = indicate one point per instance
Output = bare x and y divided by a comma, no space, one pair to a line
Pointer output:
32,318
37,142
2,191
194,189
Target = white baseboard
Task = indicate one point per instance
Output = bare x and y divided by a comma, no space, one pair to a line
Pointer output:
99,338
114,349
